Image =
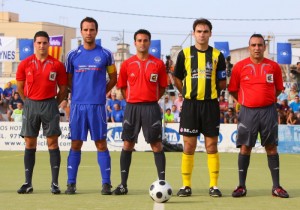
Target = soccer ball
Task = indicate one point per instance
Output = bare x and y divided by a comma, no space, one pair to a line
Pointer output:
160,191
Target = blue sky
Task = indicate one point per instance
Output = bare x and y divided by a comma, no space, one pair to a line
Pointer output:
233,20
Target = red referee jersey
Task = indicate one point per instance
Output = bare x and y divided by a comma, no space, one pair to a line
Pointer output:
256,84
41,78
142,79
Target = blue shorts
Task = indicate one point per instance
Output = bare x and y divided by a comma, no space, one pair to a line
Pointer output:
84,117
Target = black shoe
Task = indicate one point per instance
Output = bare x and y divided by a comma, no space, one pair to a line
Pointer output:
215,192
55,188
239,192
106,189
120,190
71,189
184,192
25,189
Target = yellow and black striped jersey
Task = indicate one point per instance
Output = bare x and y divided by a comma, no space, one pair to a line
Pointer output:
200,72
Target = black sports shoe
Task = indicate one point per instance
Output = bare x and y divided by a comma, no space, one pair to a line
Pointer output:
120,190
214,192
106,189
280,192
55,188
184,192
25,189
71,189
239,192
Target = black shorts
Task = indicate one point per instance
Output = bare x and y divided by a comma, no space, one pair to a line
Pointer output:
200,116
142,115
43,112
252,121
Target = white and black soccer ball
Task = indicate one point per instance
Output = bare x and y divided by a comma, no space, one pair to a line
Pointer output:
160,191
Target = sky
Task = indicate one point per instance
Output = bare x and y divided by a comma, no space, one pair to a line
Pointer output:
169,20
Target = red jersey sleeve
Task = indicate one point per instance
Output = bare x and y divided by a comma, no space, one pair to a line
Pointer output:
278,78
122,79
62,74
20,75
163,77
234,83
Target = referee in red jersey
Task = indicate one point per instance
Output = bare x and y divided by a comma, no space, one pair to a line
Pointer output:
42,85
142,80
256,82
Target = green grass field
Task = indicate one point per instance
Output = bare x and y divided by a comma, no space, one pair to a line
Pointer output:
142,174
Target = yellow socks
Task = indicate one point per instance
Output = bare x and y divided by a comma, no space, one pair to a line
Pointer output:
187,165
213,164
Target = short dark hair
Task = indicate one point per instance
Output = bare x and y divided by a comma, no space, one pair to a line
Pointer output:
297,62
202,21
142,31
90,20
41,34
257,36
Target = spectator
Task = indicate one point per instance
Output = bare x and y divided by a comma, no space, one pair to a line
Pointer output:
8,93
17,113
169,117
230,116
178,101
169,64
13,104
295,105
165,103
284,106
1,96
170,71
282,96
296,69
291,119
237,106
223,104
117,113
282,116
175,112
292,93
123,102
110,104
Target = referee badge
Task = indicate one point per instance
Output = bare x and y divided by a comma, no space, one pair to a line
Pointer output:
52,76
270,78
153,77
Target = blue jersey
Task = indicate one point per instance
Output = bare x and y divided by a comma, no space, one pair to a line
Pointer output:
118,115
89,74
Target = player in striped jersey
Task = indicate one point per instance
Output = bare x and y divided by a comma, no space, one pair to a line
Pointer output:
200,75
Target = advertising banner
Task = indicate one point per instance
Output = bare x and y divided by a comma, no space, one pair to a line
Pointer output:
8,47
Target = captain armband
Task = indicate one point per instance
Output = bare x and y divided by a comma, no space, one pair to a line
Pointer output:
221,74
111,69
